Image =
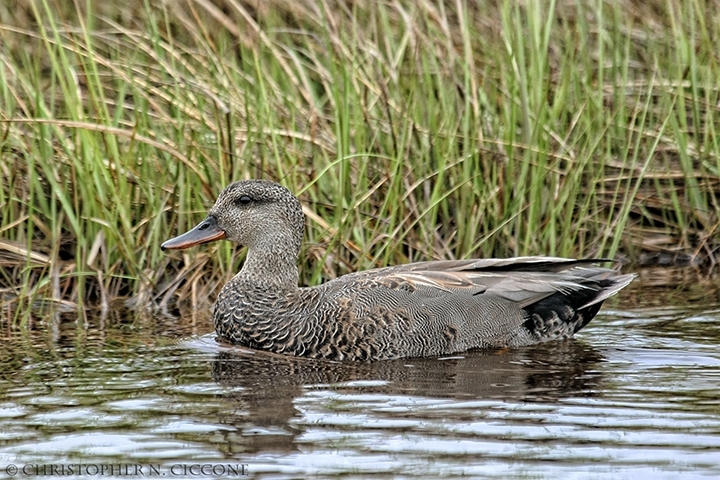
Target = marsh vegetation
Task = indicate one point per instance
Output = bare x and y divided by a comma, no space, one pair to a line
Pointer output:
412,130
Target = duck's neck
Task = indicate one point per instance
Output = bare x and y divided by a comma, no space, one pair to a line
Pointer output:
271,265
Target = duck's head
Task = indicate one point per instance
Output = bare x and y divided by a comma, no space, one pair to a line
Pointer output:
249,213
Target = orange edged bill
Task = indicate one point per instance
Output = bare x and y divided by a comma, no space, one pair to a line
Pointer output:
205,231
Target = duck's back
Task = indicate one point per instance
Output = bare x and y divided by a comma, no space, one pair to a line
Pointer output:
422,309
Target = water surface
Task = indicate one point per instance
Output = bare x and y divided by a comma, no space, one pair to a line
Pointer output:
635,395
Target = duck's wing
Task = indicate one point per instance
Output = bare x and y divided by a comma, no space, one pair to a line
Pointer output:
434,308
522,280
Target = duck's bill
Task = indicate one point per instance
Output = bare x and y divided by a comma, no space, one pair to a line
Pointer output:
206,231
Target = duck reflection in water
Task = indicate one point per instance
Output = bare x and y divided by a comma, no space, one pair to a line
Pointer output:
266,387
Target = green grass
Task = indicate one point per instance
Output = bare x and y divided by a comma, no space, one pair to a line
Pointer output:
413,130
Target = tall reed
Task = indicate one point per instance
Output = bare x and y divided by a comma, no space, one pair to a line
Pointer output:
411,130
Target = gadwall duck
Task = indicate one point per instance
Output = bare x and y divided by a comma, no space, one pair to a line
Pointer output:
414,310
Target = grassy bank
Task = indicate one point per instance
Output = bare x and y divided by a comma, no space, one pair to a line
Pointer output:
412,131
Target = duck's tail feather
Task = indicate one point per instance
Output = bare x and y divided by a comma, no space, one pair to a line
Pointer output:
563,314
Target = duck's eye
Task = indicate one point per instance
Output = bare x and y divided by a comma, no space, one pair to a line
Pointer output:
245,200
